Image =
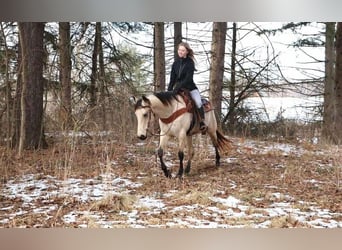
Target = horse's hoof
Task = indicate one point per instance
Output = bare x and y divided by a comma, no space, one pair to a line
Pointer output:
179,176
168,174
187,169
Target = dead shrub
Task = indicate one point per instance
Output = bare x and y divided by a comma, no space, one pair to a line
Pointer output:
115,203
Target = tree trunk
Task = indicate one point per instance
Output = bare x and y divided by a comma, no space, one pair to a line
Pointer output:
232,84
217,66
8,98
31,129
177,38
102,79
93,76
17,100
338,87
329,83
65,75
159,57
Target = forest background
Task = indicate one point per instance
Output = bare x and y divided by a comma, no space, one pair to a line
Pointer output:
78,76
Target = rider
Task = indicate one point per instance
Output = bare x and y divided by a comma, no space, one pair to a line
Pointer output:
181,77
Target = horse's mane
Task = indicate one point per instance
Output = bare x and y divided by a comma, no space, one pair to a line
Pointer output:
138,104
166,97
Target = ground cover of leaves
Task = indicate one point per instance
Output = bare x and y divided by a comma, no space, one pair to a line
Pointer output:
102,183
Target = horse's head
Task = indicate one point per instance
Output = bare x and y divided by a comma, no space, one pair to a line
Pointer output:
142,111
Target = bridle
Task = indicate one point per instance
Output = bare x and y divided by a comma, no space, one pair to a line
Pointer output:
149,121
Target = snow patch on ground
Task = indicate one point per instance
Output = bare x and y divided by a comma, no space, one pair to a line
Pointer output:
38,193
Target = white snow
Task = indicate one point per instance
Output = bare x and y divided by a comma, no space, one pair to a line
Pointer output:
30,188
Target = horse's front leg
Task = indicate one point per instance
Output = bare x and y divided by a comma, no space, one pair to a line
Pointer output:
162,144
181,168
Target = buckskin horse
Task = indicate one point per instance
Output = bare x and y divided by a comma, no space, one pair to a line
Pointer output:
177,118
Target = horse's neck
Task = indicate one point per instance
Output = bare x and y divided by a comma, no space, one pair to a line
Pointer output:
162,110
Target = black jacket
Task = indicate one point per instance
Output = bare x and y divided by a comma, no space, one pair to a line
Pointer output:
182,73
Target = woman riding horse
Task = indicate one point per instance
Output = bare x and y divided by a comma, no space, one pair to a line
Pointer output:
181,77
175,121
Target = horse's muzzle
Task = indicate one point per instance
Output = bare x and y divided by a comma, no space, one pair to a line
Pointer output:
142,137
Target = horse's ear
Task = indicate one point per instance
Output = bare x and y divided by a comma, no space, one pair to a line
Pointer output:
145,99
132,100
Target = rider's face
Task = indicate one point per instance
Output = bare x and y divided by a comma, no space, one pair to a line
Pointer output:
182,52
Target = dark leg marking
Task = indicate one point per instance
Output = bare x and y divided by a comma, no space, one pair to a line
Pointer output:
188,166
217,157
163,166
181,157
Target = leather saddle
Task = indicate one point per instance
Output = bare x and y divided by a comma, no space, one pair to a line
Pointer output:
191,108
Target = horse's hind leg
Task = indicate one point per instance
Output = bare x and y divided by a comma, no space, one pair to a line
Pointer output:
213,138
190,153
218,157
181,155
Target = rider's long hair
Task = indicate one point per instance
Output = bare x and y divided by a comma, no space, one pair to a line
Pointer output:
190,51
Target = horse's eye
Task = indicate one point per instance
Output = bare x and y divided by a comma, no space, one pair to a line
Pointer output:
146,115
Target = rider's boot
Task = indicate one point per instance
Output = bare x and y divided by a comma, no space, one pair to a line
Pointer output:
203,126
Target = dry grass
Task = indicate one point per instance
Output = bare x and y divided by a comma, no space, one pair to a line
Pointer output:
286,221
186,197
256,176
114,203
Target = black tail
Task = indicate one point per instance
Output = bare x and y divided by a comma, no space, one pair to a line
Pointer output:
223,144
